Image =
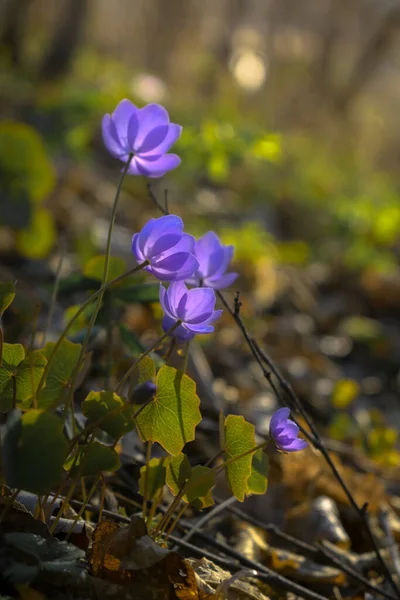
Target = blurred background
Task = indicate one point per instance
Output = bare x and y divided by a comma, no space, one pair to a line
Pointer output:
290,150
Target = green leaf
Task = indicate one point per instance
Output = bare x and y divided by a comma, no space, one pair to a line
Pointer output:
239,438
94,269
156,475
47,557
34,451
96,458
23,161
19,376
199,481
142,293
7,295
178,472
172,416
258,480
61,369
198,492
146,370
36,241
97,405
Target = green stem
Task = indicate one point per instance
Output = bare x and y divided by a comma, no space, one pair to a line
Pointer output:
69,401
186,357
146,353
54,293
84,504
87,303
146,479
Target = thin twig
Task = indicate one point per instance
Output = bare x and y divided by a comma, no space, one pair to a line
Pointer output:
262,358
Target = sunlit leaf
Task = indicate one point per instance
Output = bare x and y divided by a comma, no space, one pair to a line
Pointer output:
61,369
97,405
34,451
94,268
345,391
198,480
155,472
171,417
239,438
95,457
19,376
258,480
38,239
198,491
7,295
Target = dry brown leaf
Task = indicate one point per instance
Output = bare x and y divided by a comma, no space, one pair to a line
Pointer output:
303,569
307,475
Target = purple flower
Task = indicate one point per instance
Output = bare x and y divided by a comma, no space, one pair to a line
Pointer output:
284,432
145,133
169,250
214,259
195,308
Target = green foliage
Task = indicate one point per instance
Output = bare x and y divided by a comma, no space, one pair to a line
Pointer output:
27,178
30,556
142,293
94,268
19,376
155,472
239,438
36,240
98,405
92,459
345,391
258,480
34,451
7,295
24,165
60,370
171,417
218,147
198,481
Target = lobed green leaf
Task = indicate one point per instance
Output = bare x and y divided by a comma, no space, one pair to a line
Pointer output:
172,416
239,438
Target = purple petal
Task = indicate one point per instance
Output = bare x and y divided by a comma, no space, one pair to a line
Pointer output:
226,260
176,291
157,168
150,117
199,328
210,254
202,328
198,305
133,167
133,128
150,237
110,138
137,253
174,131
185,244
153,139
121,117
163,299
175,267
281,415
219,283
296,445
181,333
